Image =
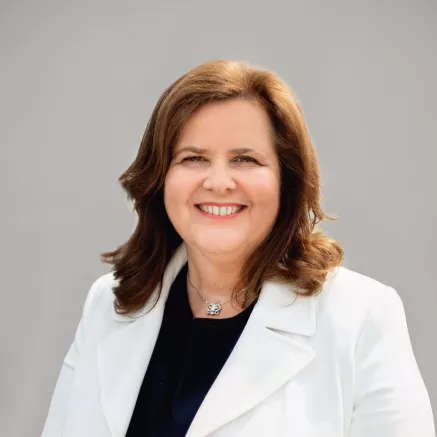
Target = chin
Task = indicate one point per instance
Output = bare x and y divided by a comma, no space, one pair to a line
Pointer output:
222,246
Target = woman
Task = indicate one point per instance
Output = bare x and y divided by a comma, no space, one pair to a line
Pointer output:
226,313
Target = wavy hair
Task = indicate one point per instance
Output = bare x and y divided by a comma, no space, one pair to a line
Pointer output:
293,251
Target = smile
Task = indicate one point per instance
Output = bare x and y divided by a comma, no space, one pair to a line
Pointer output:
221,211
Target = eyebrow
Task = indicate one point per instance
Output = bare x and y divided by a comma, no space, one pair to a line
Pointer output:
200,151
191,149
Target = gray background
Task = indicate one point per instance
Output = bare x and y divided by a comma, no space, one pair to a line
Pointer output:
78,82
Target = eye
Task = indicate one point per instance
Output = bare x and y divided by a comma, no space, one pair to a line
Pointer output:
194,159
244,159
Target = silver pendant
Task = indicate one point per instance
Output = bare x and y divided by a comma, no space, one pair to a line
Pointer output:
213,308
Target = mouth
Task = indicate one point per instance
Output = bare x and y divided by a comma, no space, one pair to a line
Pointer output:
221,210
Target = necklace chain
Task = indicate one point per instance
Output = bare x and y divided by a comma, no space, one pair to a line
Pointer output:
212,308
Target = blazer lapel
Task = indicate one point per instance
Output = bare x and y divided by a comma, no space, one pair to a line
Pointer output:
123,356
263,360
121,362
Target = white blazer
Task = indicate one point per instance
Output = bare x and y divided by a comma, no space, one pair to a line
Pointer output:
336,365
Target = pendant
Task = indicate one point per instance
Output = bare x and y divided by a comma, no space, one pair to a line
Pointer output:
213,308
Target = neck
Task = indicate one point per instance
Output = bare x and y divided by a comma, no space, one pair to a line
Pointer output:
214,276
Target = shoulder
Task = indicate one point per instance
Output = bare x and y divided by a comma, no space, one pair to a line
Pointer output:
343,282
353,288
100,295
349,299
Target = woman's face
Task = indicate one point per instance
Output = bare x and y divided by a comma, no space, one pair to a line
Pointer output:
222,189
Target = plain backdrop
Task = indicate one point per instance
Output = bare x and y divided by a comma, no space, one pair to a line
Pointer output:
78,82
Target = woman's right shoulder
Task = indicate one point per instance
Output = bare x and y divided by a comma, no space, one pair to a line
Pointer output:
100,295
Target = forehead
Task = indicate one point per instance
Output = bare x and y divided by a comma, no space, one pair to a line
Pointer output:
232,123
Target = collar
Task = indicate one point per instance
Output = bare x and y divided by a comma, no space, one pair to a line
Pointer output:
278,306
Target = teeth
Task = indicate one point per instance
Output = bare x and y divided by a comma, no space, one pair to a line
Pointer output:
220,211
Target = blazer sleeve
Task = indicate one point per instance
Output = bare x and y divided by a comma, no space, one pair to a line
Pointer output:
390,397
59,404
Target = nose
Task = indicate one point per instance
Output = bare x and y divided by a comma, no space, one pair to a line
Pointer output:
219,179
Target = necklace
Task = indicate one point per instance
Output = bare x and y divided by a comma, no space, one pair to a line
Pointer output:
212,308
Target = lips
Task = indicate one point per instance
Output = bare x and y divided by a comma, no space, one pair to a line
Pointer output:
220,210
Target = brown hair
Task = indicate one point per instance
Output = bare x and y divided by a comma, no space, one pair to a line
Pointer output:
292,252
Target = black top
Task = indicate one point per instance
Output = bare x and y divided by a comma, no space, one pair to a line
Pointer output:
188,355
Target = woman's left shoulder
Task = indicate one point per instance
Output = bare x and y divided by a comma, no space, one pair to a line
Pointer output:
355,295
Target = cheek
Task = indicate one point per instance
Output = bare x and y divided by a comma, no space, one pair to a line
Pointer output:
179,187
175,186
264,189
